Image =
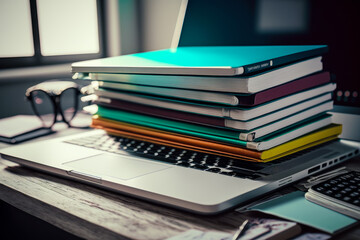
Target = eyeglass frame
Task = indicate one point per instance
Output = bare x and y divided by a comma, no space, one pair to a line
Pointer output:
54,94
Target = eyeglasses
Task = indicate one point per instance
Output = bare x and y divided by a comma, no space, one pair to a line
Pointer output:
50,98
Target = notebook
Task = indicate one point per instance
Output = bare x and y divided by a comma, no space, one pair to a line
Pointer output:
202,60
244,84
219,97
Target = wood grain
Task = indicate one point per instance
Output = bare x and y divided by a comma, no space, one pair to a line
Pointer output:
93,213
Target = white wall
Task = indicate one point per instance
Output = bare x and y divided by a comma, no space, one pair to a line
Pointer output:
158,19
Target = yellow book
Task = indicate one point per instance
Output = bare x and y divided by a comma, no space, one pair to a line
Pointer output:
301,143
313,144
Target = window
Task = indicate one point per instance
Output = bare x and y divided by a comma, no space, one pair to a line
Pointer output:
40,32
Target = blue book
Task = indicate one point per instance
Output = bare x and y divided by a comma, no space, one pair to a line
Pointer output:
210,60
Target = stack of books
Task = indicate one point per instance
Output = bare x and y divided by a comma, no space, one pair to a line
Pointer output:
254,103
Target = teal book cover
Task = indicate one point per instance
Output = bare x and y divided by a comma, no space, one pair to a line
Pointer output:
222,135
295,207
210,60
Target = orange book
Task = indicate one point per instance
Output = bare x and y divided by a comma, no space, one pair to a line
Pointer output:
204,145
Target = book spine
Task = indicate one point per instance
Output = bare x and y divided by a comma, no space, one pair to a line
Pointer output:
253,145
249,100
258,66
300,55
248,137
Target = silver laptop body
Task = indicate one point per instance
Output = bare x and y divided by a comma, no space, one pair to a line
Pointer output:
181,187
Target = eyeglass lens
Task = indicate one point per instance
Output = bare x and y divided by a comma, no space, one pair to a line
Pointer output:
44,107
68,104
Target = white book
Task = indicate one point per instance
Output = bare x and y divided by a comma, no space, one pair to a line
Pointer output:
202,60
291,103
264,130
234,84
288,135
207,96
272,118
234,99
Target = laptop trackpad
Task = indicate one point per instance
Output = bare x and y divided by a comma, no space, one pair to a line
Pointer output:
122,167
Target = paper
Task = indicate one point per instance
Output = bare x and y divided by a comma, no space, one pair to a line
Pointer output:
262,229
259,229
295,207
200,235
313,236
20,124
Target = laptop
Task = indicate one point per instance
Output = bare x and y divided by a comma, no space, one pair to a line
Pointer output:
96,158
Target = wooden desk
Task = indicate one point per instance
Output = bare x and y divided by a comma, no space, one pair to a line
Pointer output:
93,213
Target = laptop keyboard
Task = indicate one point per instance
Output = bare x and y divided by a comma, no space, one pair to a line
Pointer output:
172,155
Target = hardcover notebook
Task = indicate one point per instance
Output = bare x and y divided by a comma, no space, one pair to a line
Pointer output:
220,61
240,84
295,86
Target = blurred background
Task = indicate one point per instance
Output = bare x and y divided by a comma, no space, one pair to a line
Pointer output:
41,38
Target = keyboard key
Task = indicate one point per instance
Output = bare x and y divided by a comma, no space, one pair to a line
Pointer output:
240,170
356,202
210,161
338,195
347,199
354,194
168,160
329,192
160,154
197,160
214,170
224,163
227,173
184,164
199,166
247,165
239,175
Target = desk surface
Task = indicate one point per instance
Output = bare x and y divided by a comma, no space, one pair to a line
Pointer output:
93,213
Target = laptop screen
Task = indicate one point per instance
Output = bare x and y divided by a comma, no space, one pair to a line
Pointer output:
277,22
